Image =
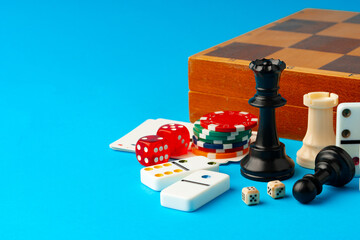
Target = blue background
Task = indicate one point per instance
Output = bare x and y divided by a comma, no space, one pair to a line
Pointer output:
77,75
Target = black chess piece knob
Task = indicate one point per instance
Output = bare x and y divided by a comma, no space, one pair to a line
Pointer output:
333,166
267,159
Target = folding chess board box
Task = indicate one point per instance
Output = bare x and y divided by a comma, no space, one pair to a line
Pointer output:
320,47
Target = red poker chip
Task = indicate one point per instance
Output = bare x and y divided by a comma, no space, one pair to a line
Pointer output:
228,121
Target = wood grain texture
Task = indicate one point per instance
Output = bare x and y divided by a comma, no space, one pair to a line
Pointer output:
237,80
291,121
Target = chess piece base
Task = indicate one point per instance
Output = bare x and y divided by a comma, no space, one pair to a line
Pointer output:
265,165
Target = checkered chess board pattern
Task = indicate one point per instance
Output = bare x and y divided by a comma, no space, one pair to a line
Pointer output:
313,39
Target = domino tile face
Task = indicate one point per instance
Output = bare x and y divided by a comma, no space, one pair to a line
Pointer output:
159,176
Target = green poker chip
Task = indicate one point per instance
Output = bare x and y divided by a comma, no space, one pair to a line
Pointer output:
222,138
198,128
217,140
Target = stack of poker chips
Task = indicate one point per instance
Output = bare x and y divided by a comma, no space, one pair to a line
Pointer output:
223,134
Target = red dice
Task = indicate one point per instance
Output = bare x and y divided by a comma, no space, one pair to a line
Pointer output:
178,136
151,150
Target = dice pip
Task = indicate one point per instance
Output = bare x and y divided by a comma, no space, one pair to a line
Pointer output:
276,189
250,195
178,136
152,149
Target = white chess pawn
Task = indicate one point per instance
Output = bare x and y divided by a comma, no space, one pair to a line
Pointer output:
320,132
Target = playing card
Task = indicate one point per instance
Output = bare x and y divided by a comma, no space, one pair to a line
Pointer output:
149,127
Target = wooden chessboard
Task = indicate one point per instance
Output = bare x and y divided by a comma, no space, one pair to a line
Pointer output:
320,47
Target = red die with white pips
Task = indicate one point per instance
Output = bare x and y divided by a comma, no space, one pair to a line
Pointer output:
151,150
178,136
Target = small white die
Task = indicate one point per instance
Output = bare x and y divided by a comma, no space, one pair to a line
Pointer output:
276,189
250,195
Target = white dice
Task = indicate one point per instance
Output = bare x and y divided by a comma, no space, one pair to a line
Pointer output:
276,189
250,195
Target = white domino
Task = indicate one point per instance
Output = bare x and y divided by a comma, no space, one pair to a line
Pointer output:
195,190
160,176
348,131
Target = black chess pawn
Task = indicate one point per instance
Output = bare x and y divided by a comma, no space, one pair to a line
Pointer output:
333,166
267,159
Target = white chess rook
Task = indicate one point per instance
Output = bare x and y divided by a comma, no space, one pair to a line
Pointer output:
320,131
